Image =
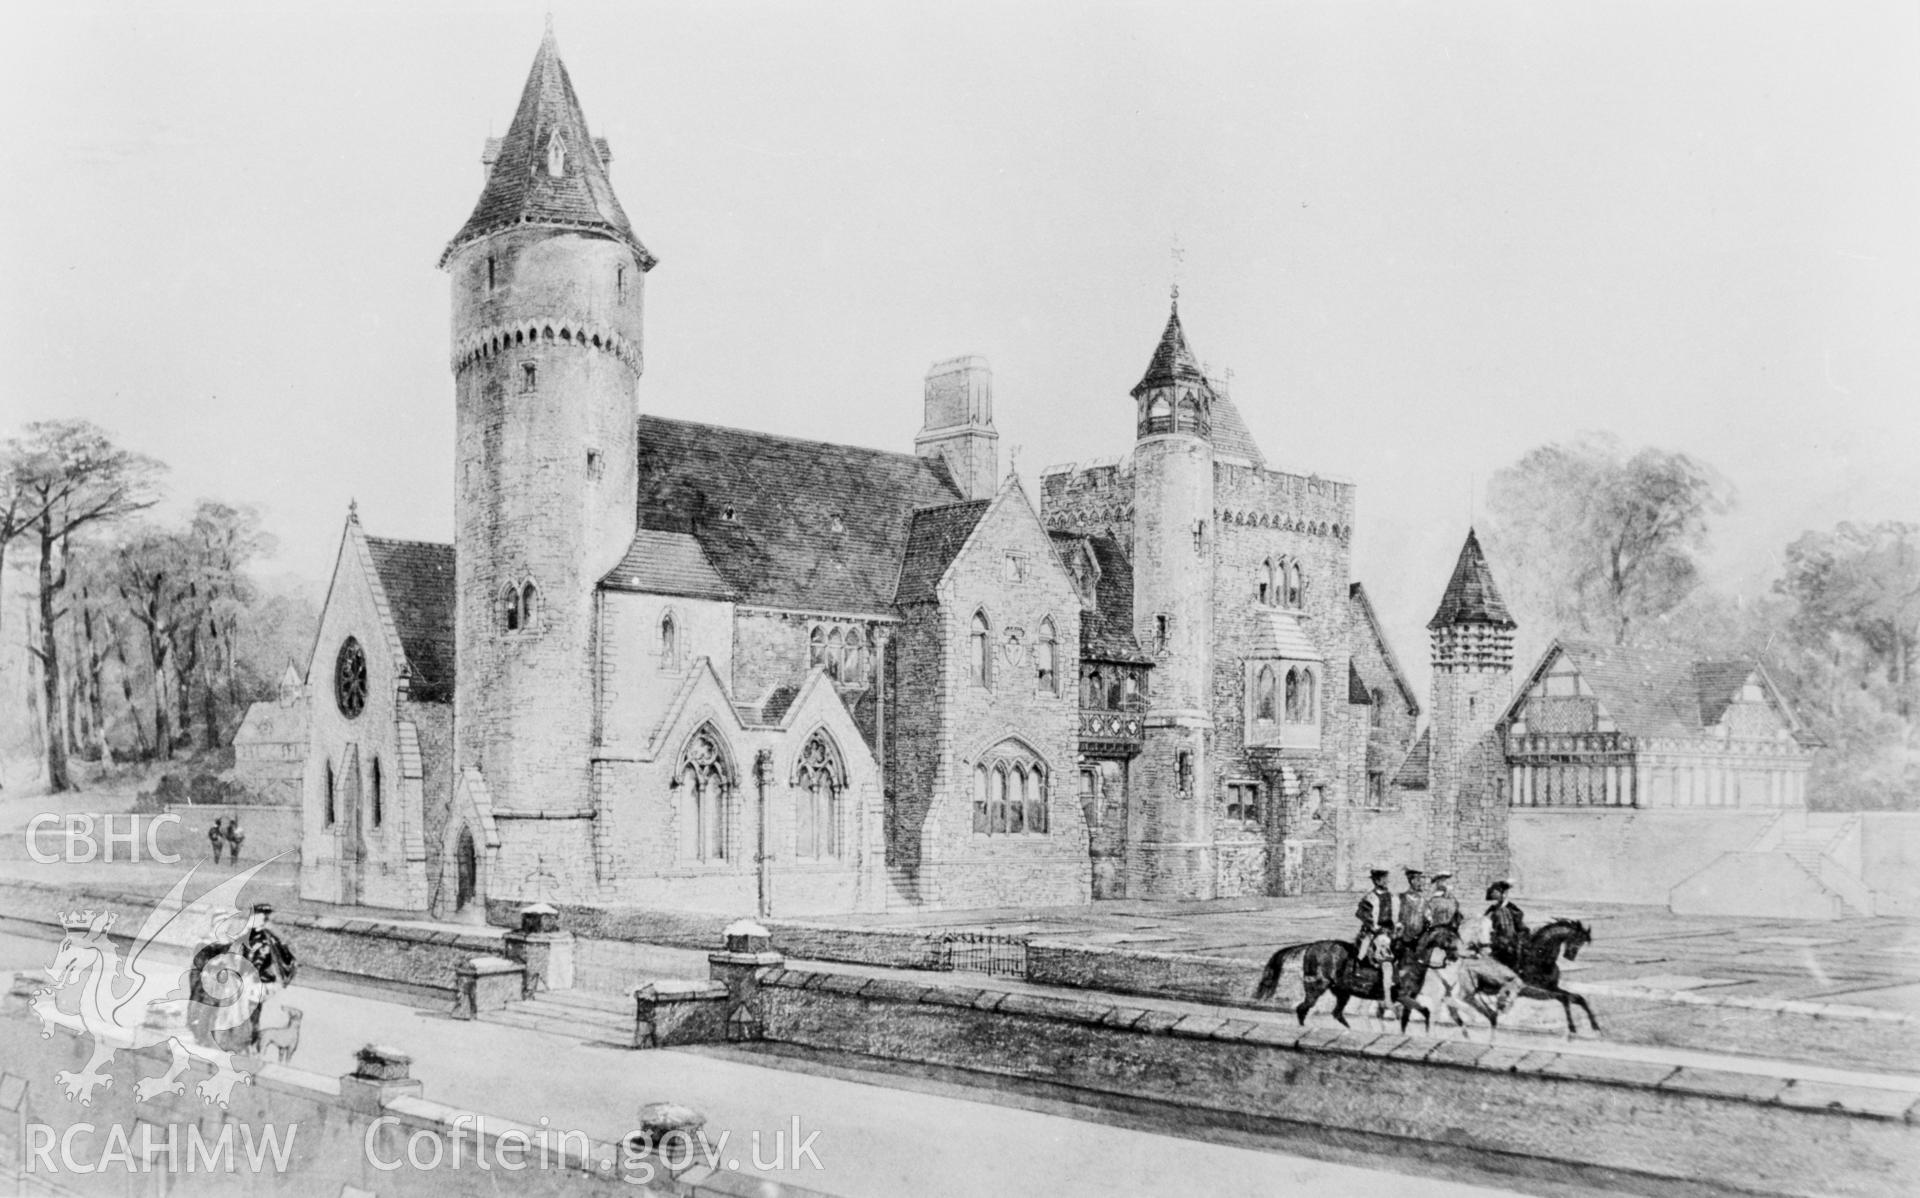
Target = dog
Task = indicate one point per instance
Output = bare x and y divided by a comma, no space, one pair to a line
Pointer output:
285,1040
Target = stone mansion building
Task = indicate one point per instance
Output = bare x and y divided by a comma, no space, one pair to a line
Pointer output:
671,664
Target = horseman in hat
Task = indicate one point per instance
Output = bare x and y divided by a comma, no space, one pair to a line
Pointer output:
239,972
1411,919
1378,914
1443,910
1508,925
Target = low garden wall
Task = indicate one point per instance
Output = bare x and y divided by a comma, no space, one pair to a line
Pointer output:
1628,1119
370,948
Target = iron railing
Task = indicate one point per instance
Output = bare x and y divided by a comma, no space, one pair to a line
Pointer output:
984,952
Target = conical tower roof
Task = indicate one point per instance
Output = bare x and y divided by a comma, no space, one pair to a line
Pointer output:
1471,596
549,129
1173,361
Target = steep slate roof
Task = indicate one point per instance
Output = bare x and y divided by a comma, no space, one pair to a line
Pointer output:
1418,766
1230,433
667,563
934,538
814,526
1106,630
519,191
1716,683
1357,598
1173,360
418,579
1471,596
1657,692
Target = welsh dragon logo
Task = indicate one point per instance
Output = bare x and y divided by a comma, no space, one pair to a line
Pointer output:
136,1003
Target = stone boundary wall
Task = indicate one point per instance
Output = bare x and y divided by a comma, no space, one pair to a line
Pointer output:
329,1120
1758,1133
370,948
892,948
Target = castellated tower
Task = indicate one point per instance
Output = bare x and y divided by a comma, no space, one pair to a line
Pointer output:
547,284
1173,614
1472,684
959,425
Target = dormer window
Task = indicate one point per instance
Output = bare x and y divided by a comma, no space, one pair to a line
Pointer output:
556,156
727,515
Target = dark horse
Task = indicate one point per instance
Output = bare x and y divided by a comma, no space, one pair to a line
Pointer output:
1331,965
1539,970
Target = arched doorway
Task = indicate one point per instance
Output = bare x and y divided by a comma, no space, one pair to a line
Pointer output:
466,866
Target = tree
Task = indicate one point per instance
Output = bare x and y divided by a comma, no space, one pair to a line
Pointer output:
1861,581
72,477
1605,543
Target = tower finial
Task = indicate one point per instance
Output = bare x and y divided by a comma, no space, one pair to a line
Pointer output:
353,510
549,31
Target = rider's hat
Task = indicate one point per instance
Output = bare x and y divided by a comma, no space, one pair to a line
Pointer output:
1376,874
1413,873
263,908
1499,888
1441,875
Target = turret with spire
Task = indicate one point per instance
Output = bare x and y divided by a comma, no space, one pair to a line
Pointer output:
1173,581
547,277
1472,635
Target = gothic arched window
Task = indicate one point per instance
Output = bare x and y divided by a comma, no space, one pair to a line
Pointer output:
819,777
853,658
529,606
1294,589
1379,707
330,813
1010,792
980,650
1091,693
705,783
1293,695
1049,658
379,799
669,643
1263,694
1264,585
817,648
835,650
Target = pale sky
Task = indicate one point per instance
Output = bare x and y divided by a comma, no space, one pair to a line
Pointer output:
1425,238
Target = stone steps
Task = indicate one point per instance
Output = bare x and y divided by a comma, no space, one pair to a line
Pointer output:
574,1020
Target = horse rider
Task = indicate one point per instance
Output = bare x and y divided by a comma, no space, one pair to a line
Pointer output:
1509,925
1378,914
1443,910
1411,921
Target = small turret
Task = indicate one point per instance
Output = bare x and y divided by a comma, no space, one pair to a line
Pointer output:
1173,539
1471,628
1472,682
1174,395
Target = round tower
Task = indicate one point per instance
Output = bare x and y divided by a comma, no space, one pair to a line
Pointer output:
547,280
1173,615
1472,683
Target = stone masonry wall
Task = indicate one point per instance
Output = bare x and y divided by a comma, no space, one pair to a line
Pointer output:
1645,1123
1263,516
350,858
1009,571
544,493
